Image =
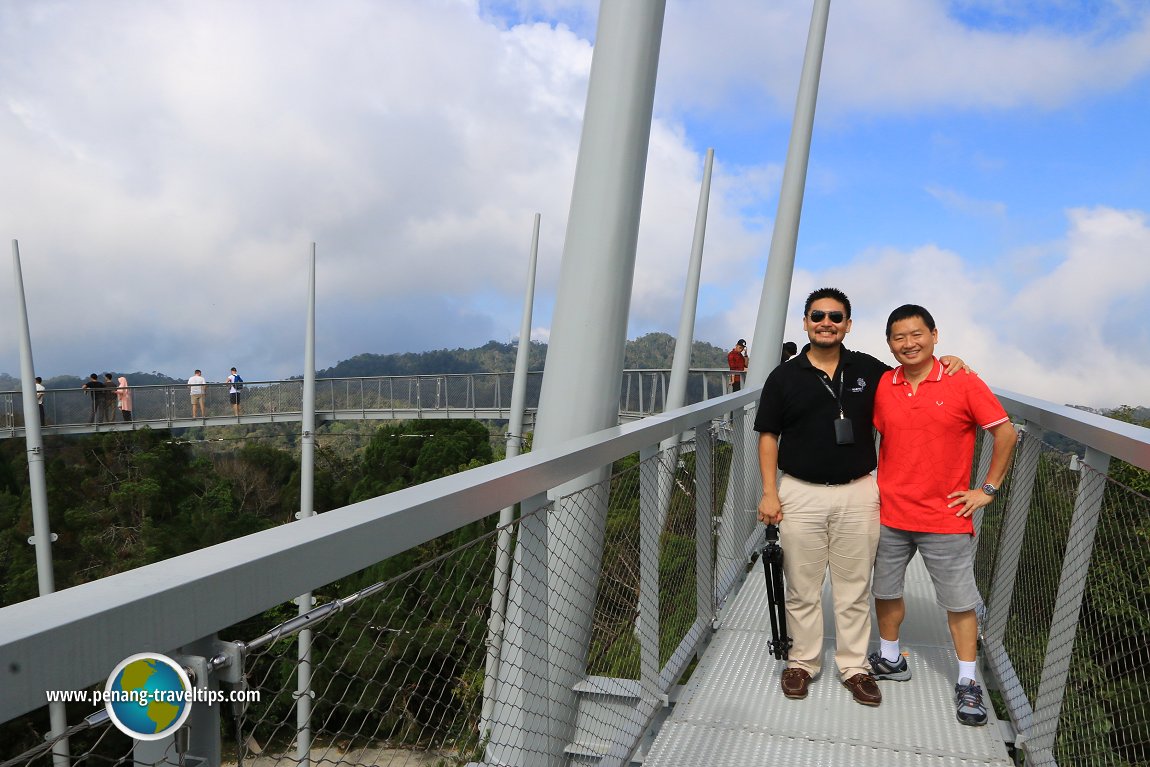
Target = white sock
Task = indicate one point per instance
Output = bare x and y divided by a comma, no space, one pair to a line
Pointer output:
888,648
966,670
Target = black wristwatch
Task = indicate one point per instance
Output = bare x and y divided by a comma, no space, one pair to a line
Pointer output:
989,489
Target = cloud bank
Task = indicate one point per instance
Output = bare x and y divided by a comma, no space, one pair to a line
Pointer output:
169,165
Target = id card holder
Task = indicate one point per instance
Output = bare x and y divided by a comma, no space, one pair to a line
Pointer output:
844,432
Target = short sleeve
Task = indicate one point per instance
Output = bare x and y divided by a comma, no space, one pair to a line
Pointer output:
769,415
984,406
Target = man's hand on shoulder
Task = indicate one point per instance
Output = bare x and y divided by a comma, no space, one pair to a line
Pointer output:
952,365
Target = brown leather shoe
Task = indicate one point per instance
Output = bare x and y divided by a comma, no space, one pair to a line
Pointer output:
795,682
864,689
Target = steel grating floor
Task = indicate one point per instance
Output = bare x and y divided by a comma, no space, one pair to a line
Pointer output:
732,712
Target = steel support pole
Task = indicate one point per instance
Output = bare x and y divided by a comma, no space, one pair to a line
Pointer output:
771,319
681,362
506,516
42,535
585,359
676,395
306,509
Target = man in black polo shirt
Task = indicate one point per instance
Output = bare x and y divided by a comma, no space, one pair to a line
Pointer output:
95,391
814,423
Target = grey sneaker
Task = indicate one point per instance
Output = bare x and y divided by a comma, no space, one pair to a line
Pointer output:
881,668
968,698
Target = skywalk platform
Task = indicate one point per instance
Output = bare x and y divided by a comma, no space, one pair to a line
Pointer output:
732,712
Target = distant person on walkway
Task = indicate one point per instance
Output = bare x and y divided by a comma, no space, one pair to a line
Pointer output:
814,423
108,397
737,362
789,350
197,387
124,399
235,386
40,398
928,423
95,391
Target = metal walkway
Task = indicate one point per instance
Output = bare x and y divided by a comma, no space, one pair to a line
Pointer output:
483,396
732,712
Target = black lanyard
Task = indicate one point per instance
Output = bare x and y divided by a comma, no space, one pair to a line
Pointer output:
839,397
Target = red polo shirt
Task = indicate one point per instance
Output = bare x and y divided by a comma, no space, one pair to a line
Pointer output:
927,446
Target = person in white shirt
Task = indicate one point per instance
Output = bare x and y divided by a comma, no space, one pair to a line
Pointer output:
197,387
40,397
235,385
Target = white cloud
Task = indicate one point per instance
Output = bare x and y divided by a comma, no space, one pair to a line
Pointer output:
175,162
1071,335
167,167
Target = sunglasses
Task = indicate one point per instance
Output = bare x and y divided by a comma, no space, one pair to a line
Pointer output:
817,315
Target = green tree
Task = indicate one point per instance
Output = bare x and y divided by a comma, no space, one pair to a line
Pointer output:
412,452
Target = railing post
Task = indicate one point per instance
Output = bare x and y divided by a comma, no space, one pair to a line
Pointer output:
1011,534
650,531
1067,606
520,722
733,525
704,522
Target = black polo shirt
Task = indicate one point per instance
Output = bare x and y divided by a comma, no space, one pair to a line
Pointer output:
799,409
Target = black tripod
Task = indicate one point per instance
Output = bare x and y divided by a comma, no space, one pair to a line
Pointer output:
780,644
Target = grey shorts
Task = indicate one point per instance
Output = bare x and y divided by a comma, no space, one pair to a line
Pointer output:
949,558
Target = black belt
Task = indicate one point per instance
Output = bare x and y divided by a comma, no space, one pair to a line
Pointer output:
831,484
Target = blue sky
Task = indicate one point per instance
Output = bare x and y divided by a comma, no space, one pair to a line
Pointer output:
167,166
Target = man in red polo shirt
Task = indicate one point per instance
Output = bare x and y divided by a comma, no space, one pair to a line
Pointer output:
737,362
928,423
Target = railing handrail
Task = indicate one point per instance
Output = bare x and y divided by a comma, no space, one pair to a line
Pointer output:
1124,441
167,604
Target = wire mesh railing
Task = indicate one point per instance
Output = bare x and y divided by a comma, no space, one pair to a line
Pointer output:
398,675
1065,565
397,671
397,651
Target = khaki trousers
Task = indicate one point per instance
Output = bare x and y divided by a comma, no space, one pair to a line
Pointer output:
835,525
